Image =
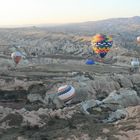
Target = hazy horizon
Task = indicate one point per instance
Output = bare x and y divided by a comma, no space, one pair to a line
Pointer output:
55,24
20,13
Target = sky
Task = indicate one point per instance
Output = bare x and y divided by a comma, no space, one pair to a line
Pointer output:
33,12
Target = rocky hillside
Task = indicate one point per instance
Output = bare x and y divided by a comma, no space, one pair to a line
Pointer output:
71,39
106,104
124,30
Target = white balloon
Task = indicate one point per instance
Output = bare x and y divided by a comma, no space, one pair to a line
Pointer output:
135,62
138,39
14,54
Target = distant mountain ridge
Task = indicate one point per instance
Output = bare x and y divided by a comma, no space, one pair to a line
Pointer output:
124,30
108,25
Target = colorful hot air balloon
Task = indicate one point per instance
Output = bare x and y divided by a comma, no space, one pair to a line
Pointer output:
66,93
16,56
101,44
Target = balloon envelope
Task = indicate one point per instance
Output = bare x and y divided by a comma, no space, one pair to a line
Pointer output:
16,56
66,93
138,39
101,44
90,62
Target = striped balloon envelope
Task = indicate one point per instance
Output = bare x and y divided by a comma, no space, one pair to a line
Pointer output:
66,93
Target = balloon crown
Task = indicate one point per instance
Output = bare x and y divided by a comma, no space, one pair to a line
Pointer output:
101,38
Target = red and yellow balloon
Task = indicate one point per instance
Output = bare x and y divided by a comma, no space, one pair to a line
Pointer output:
16,56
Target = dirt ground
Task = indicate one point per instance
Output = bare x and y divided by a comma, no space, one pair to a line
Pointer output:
80,126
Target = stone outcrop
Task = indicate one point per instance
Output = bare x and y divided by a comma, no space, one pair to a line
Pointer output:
121,99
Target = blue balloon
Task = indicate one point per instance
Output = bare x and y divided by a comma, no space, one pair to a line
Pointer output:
90,62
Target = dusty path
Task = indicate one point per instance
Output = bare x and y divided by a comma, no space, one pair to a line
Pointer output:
103,68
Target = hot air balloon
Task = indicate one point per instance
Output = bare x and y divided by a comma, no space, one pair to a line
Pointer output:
66,93
90,62
16,56
101,44
138,39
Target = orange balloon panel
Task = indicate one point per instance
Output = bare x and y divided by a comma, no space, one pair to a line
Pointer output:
98,38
